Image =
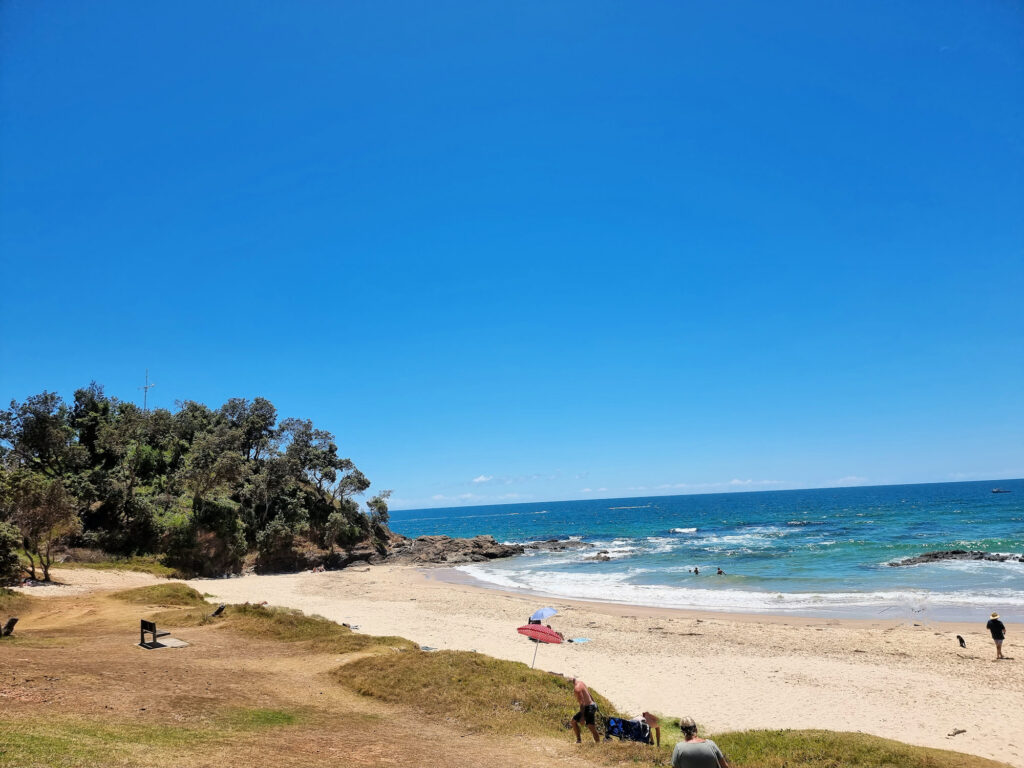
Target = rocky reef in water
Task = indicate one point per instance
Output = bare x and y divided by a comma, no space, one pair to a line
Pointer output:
439,550
959,554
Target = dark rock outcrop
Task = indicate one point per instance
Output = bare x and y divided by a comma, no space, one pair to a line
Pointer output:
446,550
390,547
558,545
958,554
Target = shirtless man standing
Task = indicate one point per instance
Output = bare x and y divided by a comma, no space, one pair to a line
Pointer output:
587,710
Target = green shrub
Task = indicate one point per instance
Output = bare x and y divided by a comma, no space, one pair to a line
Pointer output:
10,562
275,547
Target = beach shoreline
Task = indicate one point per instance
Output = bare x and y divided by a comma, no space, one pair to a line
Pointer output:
457,578
860,615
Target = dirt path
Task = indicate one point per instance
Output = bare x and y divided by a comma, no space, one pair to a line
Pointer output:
74,670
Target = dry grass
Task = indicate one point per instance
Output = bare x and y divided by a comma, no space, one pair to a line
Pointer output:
477,691
12,602
171,594
288,625
830,749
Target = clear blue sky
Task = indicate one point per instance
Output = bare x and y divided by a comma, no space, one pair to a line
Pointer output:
533,250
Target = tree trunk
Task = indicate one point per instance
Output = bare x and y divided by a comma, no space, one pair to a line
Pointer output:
31,565
45,559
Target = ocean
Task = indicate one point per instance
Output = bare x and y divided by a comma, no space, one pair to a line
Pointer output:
822,552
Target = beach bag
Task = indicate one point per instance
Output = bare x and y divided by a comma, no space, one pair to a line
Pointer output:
628,730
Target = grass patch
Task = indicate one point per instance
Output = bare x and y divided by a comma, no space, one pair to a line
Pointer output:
141,563
474,690
72,742
287,625
67,743
249,719
834,749
174,594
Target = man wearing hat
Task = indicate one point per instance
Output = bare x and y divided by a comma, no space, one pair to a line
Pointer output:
998,630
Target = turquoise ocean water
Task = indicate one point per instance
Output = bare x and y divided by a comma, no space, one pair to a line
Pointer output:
815,552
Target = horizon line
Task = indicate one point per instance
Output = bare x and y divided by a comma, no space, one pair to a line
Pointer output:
714,493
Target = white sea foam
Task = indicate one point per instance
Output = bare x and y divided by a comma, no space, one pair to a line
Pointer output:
613,587
683,530
660,544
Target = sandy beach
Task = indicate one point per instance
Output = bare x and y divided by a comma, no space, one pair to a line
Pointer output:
892,679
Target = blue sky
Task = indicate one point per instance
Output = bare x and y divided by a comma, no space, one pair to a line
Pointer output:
533,250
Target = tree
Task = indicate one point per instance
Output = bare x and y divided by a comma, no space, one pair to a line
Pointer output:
45,514
211,464
378,506
40,436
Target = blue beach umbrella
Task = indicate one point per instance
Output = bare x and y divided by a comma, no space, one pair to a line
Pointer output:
542,614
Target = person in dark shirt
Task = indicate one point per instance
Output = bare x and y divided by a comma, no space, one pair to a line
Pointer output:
998,630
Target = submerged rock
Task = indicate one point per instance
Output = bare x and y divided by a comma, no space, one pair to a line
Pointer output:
558,545
959,554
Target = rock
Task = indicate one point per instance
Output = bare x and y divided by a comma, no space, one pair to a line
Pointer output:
446,550
558,545
959,554
342,558
599,558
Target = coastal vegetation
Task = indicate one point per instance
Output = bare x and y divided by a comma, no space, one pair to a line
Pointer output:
198,490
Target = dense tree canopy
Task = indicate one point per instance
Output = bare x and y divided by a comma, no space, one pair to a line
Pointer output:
203,487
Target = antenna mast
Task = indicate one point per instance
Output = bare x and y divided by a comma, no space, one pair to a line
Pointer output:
145,391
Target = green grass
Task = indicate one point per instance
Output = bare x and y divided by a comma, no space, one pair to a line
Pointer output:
69,742
173,594
62,742
249,719
142,563
287,625
833,749
477,691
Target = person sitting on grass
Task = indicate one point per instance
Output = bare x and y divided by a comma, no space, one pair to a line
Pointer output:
587,713
695,752
653,722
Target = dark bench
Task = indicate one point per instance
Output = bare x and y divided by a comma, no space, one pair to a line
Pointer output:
8,627
150,628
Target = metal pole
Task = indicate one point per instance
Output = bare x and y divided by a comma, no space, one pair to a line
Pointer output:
145,392
534,655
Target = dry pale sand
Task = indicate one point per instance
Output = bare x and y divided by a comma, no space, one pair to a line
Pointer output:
78,581
902,681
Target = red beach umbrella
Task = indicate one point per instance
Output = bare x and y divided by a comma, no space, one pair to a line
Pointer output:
539,634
